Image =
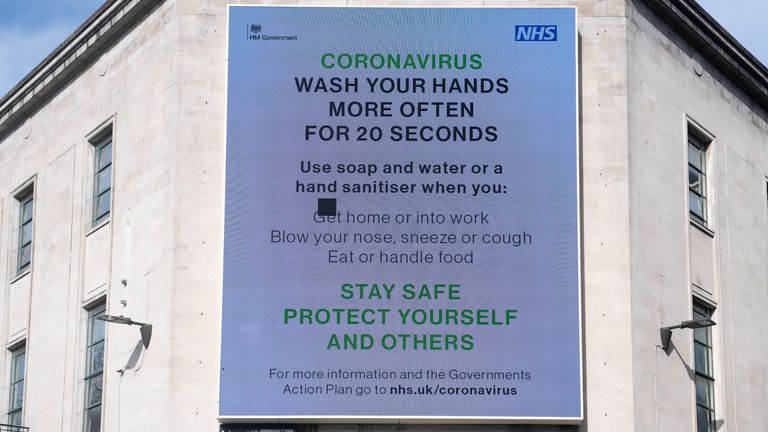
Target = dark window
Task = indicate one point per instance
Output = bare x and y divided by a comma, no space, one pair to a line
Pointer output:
15,406
94,370
102,179
705,380
26,209
697,179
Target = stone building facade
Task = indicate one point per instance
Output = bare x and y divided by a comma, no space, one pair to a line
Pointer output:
112,158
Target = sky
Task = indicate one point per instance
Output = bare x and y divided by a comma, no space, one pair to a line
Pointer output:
31,29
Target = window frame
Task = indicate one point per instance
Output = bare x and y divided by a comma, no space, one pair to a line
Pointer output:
704,375
104,140
16,413
92,374
702,148
25,199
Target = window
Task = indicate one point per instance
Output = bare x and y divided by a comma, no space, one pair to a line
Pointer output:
26,209
697,179
17,386
705,381
94,370
102,178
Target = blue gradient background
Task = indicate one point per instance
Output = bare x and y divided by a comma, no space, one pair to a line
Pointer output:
537,147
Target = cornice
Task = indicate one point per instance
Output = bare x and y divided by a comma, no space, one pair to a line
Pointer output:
691,21
81,48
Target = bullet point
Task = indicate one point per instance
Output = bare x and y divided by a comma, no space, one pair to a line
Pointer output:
326,206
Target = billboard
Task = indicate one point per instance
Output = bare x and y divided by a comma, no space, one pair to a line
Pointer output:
401,229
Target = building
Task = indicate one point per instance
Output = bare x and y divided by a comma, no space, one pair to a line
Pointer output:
112,180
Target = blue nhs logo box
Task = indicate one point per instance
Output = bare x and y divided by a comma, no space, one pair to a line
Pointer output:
536,33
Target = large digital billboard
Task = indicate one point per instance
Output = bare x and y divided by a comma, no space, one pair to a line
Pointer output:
401,235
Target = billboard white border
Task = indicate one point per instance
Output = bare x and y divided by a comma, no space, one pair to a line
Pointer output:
355,419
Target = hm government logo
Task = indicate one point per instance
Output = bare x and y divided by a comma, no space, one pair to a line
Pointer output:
254,34
253,31
536,33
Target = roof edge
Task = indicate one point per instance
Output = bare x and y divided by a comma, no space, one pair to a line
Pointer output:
58,50
80,48
709,37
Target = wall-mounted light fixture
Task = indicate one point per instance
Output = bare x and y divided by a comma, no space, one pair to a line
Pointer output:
666,332
144,329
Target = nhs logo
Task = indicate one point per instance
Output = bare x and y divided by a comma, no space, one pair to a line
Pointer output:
536,33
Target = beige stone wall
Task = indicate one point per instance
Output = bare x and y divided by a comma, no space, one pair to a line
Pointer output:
672,88
133,86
